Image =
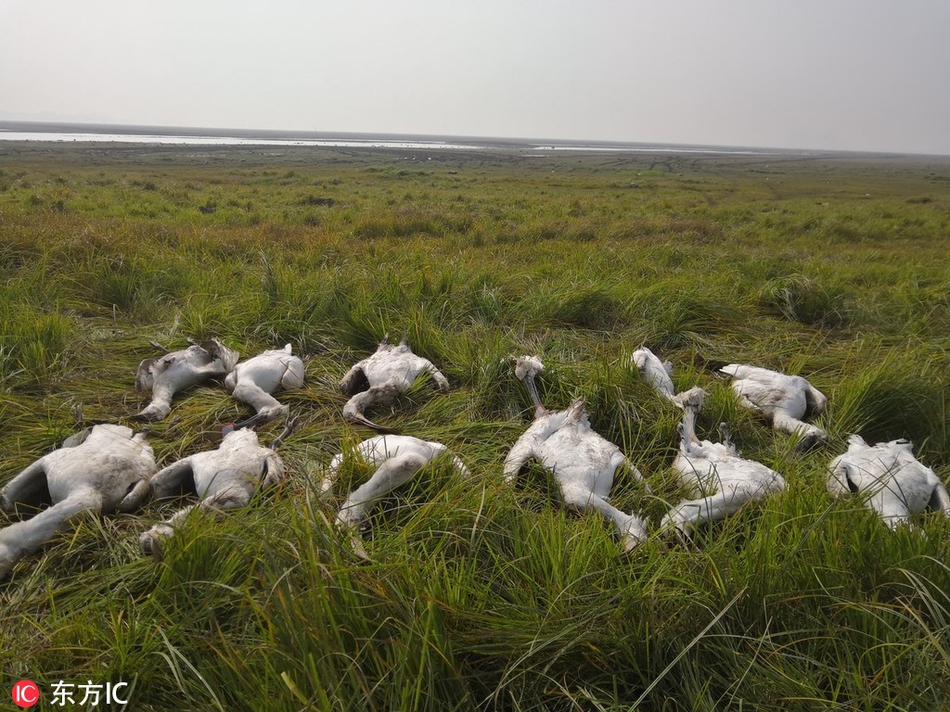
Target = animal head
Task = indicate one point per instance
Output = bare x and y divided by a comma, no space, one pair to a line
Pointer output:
528,367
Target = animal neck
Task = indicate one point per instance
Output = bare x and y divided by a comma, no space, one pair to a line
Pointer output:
687,430
539,410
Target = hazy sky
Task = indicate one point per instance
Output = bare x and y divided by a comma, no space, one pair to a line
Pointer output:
833,74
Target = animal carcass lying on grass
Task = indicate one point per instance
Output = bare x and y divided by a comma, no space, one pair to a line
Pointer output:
380,378
256,380
891,480
783,400
166,375
397,458
225,478
582,462
100,470
720,480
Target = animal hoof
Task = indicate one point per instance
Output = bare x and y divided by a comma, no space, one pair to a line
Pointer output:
356,545
808,443
630,543
151,544
672,525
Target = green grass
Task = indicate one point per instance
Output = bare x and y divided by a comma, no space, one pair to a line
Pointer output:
479,595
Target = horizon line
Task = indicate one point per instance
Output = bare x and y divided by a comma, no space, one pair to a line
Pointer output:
290,134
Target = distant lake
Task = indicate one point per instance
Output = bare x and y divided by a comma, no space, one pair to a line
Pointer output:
171,139
62,133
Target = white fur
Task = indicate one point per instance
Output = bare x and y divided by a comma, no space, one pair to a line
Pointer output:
891,480
256,380
225,478
784,400
397,458
379,378
166,375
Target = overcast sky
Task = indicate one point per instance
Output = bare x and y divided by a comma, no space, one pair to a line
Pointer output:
825,74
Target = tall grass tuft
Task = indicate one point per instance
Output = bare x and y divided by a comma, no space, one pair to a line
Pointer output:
887,400
799,298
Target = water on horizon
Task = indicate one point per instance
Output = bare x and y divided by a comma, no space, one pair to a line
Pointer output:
212,138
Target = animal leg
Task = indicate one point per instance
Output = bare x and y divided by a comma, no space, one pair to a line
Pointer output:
392,473
22,538
160,406
28,488
134,497
144,378
459,466
746,403
229,498
150,542
441,381
630,527
940,500
294,376
169,481
264,403
635,472
815,399
687,515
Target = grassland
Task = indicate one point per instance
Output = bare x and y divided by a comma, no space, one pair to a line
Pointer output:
478,595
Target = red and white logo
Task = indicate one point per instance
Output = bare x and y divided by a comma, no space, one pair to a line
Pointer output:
26,693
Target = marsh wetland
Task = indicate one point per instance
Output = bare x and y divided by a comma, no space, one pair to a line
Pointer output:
477,594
